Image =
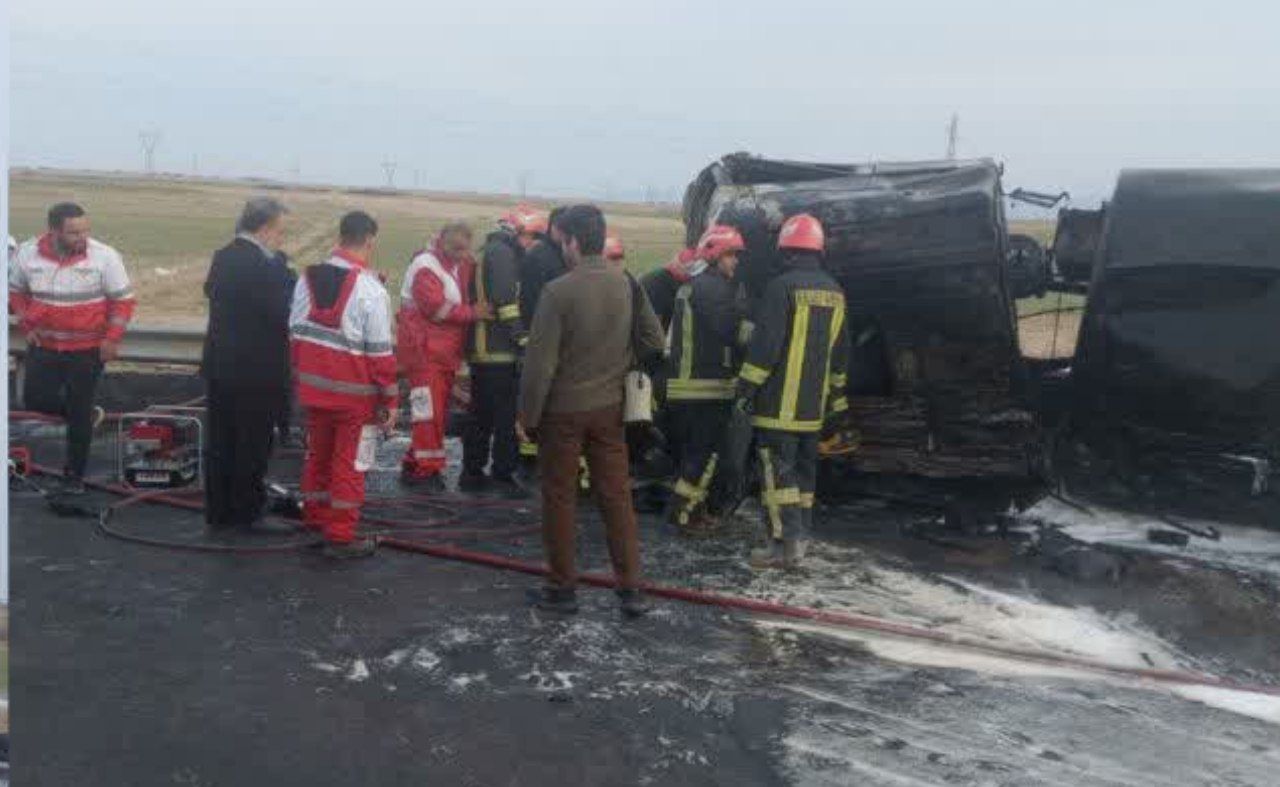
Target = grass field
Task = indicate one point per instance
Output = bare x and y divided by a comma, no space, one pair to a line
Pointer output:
167,229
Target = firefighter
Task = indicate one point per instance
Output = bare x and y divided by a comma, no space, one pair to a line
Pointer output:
792,382
492,355
702,363
73,301
661,284
431,333
340,330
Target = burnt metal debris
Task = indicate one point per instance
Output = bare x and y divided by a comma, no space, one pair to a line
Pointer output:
1174,392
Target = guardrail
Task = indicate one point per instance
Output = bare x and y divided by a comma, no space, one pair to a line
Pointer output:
142,344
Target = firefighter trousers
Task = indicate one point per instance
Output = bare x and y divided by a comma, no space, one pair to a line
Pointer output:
429,394
788,475
332,487
494,390
698,427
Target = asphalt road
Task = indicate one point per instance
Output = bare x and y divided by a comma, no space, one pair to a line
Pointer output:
140,666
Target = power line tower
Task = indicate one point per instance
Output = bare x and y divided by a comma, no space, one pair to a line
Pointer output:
522,184
953,135
389,169
149,140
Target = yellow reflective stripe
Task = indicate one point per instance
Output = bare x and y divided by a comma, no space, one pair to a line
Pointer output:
795,360
806,499
753,374
528,449
766,497
688,491
700,389
686,333
787,496
509,312
830,299
704,483
836,381
746,329
840,404
493,358
839,380
481,332
786,424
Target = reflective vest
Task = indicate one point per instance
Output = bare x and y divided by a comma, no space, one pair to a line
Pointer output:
340,336
497,281
70,303
702,343
798,356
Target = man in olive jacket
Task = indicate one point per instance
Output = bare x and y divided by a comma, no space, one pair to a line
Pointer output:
571,397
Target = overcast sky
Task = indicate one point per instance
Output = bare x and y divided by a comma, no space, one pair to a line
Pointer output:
598,98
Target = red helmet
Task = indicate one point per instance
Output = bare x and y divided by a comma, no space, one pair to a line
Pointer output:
802,232
525,219
613,248
719,240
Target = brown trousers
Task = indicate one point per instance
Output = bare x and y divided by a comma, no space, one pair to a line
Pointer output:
562,439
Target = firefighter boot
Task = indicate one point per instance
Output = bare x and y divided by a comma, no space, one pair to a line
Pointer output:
766,557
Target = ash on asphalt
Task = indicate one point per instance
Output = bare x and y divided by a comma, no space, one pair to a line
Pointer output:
135,665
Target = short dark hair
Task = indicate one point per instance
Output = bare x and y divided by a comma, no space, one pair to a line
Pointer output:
59,214
356,227
259,212
556,219
585,224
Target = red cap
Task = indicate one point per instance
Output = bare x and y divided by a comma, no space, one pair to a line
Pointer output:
802,232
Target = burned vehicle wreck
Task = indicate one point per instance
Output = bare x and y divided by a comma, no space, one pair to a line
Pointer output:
935,375
1174,390
1171,402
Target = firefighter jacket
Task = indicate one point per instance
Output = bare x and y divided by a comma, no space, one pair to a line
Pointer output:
69,303
542,264
702,344
662,285
340,337
795,368
497,281
434,317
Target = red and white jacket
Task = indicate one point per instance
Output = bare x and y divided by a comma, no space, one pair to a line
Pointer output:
431,326
69,303
340,337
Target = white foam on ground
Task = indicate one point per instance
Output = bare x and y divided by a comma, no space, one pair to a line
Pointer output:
1245,548
1264,707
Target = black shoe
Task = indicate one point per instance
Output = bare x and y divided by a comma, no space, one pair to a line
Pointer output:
270,527
633,604
551,599
71,486
361,547
509,488
473,482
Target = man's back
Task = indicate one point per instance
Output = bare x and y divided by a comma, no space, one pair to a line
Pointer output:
580,346
247,342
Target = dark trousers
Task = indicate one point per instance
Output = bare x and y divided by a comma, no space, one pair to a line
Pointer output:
494,390
241,425
562,439
788,475
64,384
698,427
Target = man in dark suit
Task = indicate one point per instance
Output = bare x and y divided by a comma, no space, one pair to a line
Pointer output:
246,368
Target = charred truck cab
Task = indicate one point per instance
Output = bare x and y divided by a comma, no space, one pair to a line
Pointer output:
935,373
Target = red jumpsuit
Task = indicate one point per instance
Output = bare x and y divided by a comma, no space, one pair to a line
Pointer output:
340,337
431,331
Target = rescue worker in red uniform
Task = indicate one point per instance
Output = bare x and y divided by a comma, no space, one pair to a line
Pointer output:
431,337
494,347
73,301
793,383
340,335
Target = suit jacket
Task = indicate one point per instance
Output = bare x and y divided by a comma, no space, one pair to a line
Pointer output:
247,342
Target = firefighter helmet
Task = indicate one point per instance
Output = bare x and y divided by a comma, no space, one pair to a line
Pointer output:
613,249
719,240
802,232
525,220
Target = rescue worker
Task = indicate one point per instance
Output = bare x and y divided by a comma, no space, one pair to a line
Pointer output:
792,381
661,284
340,327
431,336
702,362
493,351
73,301
543,264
